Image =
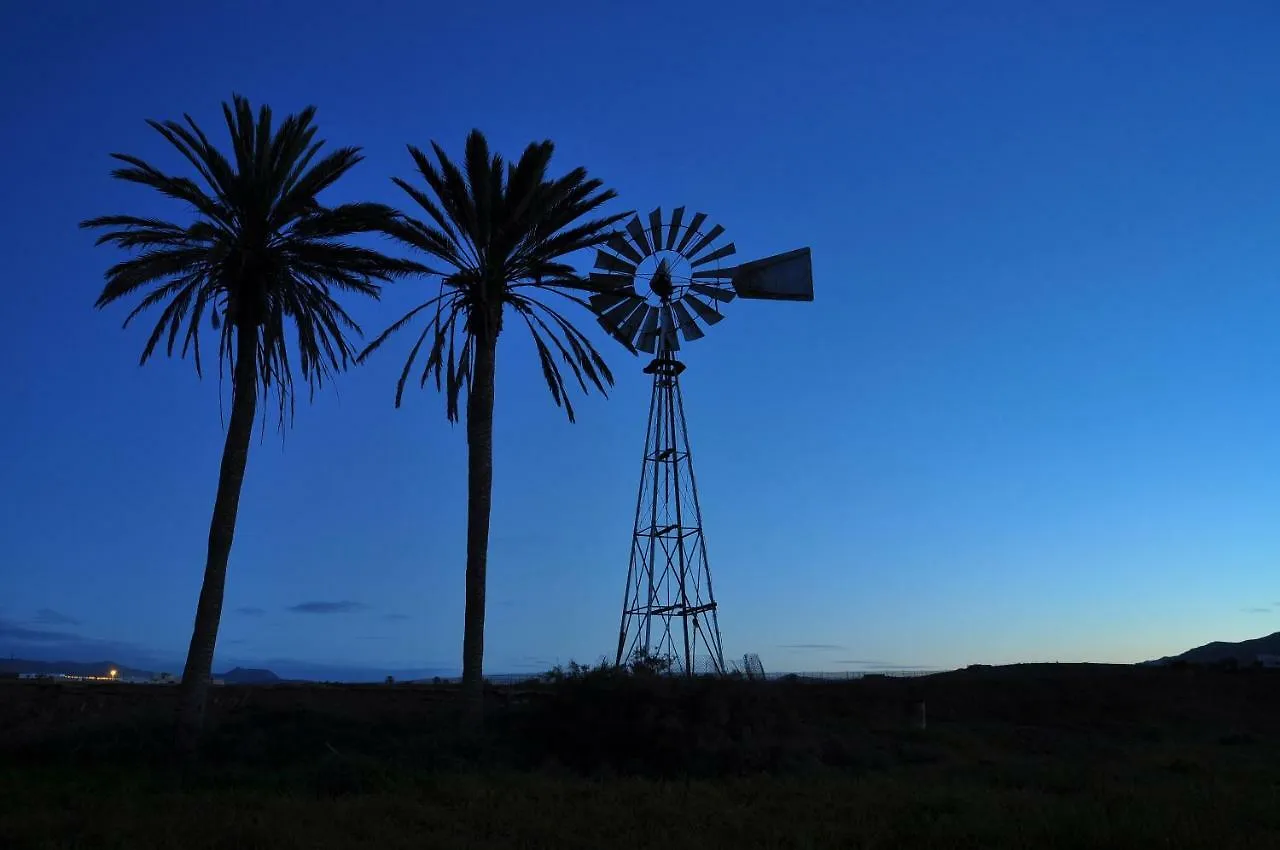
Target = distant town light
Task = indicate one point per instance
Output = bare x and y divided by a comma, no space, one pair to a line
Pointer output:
113,672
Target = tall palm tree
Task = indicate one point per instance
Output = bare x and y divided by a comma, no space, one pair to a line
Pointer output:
502,233
260,252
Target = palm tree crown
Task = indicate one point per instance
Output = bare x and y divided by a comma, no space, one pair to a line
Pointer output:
261,253
503,233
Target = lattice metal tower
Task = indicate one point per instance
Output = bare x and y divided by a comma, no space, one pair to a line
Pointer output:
650,287
669,608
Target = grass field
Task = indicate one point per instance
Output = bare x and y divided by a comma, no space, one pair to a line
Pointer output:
1041,756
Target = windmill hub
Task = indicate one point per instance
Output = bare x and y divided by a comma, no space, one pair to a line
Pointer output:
667,274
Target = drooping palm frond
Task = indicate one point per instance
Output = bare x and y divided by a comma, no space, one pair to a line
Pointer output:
500,231
261,253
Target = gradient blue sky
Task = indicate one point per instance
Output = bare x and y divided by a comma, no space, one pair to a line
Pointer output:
1032,415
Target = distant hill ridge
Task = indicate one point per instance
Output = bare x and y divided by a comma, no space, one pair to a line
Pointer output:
235,676
248,676
1244,652
75,668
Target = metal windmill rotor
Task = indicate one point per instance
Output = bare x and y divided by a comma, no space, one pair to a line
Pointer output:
653,284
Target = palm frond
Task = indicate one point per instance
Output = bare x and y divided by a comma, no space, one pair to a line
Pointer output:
534,323
457,198
428,239
404,320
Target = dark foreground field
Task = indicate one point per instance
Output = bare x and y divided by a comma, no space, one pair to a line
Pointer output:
1042,756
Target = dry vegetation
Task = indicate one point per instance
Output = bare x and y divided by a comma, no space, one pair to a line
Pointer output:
1030,756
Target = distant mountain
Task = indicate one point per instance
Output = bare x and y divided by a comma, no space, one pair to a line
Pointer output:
1245,652
290,671
75,668
236,676
248,676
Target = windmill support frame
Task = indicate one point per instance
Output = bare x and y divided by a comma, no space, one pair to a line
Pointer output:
669,609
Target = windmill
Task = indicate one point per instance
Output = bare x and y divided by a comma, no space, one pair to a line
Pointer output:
653,285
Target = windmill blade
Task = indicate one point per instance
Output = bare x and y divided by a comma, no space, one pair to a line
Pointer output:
676,215
619,312
607,301
618,322
725,295
636,229
717,254
612,320
620,245
687,325
607,282
647,340
613,331
655,229
610,263
630,324
704,310
670,342
698,219
609,316
706,240
782,277
716,274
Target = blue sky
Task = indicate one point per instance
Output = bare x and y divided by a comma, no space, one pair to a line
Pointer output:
1031,414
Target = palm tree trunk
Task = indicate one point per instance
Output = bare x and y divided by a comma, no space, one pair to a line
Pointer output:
194,690
479,503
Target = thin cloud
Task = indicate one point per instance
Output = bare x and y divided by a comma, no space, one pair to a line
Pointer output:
50,617
58,645
824,647
346,606
10,630
250,611
1256,610
531,661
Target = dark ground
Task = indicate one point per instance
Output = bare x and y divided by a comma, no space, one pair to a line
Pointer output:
1026,756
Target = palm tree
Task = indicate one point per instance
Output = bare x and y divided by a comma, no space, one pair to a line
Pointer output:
503,234
261,252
